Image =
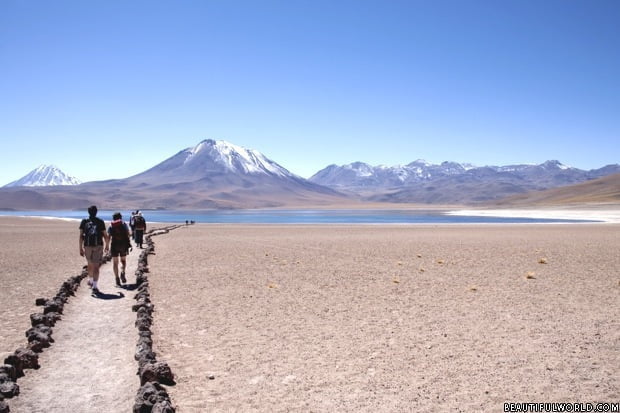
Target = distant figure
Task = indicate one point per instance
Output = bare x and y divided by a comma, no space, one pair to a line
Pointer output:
92,234
120,245
140,223
132,224
186,222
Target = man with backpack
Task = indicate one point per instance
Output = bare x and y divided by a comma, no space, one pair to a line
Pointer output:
92,234
120,245
140,224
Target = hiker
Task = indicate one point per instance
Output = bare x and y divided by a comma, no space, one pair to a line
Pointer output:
120,245
132,224
92,234
140,223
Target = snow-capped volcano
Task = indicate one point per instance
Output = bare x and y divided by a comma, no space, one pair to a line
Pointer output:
215,158
45,175
232,158
221,173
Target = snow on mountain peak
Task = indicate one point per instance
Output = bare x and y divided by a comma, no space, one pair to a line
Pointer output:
361,169
236,158
45,175
554,164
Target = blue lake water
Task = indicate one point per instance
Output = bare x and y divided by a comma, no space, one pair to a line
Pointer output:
297,217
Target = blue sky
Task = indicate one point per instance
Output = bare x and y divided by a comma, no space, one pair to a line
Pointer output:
107,89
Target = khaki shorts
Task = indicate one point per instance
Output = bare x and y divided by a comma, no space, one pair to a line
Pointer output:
94,255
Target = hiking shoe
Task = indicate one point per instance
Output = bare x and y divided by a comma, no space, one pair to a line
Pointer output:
118,282
96,291
123,279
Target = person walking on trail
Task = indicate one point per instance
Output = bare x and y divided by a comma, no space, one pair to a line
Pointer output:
132,224
92,235
120,245
140,223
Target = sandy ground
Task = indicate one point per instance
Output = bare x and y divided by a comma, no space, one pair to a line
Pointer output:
388,318
330,318
36,257
90,367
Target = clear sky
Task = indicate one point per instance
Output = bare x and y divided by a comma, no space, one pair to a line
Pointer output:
108,89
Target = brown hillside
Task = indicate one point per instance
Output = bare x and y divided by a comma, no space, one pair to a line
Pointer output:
604,190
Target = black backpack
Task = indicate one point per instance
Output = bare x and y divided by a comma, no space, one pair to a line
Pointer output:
91,233
139,221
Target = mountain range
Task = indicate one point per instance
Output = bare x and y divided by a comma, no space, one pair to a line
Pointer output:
451,182
219,174
212,174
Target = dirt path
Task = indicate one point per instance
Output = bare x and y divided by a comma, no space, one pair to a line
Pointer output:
90,367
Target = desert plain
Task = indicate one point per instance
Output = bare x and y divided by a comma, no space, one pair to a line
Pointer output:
355,318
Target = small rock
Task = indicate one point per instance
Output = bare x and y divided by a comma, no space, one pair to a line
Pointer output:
163,407
149,395
9,389
156,372
29,358
53,306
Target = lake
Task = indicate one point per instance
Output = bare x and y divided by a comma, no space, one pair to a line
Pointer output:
297,216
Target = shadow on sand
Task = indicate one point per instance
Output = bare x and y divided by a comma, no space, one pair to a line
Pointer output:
105,296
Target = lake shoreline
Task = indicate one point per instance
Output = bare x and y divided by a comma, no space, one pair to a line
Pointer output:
353,216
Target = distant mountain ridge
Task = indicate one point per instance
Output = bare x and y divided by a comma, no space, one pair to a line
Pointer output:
218,174
450,182
212,174
600,191
363,175
45,175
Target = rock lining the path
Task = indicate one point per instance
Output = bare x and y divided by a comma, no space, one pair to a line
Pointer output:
151,397
39,337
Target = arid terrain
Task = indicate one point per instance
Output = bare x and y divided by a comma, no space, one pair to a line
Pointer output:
375,318
355,318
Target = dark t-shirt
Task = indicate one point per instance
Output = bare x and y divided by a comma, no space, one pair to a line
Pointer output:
100,228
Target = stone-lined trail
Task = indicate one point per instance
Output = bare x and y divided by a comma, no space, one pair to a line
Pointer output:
90,367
